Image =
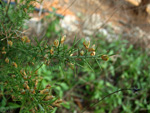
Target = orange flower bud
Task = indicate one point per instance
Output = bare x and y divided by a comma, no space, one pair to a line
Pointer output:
104,57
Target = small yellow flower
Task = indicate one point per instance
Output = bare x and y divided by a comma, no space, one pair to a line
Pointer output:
14,64
71,54
63,39
56,43
7,60
10,43
104,57
82,53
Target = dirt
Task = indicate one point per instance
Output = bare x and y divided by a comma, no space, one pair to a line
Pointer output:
119,13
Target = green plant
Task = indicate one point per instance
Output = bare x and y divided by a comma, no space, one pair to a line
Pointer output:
22,87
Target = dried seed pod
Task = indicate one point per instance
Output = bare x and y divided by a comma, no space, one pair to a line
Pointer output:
86,43
14,64
32,63
13,76
49,97
23,91
92,53
25,85
71,65
32,91
56,105
56,43
25,39
44,91
92,48
47,62
3,52
52,51
59,101
36,82
45,56
10,43
105,57
25,77
28,40
3,48
50,107
48,86
63,39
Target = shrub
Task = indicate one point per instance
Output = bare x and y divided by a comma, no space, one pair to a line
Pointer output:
22,88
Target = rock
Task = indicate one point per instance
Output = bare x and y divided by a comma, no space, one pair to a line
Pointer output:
93,22
69,23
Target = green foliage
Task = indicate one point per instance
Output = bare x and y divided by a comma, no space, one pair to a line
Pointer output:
33,77
25,84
